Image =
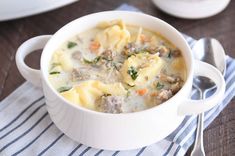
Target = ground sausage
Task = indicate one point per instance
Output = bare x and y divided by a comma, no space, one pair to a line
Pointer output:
111,104
107,55
176,87
164,95
79,74
175,53
169,79
163,51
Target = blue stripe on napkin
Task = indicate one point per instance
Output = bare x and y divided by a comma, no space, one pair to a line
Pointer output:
26,128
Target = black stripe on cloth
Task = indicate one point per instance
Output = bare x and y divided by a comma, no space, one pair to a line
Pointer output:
48,147
83,152
13,141
17,117
177,150
141,151
168,149
115,153
30,143
75,149
3,136
99,152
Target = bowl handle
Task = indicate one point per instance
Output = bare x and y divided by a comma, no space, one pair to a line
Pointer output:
29,46
190,107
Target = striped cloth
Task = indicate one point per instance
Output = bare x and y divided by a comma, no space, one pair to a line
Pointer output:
26,128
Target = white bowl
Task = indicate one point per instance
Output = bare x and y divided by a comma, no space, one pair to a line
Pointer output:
13,9
192,9
118,131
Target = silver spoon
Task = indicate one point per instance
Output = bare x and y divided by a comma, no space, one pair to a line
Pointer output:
208,50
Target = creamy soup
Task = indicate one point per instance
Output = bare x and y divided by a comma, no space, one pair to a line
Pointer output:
117,68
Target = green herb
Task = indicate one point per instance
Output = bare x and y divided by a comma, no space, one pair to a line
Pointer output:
71,44
87,61
159,86
96,60
131,85
169,54
54,72
105,95
114,64
92,61
129,55
63,89
133,72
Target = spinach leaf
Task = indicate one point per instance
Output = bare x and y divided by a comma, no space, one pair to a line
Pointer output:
63,89
96,60
159,86
169,55
71,44
54,72
132,71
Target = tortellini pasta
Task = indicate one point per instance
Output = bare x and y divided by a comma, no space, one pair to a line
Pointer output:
87,92
106,24
63,60
113,37
72,96
147,67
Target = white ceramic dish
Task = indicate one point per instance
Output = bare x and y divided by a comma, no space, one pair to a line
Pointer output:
192,9
118,131
12,9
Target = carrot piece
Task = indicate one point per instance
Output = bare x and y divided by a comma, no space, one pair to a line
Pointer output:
141,92
94,46
154,94
144,38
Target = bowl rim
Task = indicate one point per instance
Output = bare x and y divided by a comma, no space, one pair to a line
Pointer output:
137,14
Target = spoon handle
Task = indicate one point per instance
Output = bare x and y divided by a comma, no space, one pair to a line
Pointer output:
198,149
